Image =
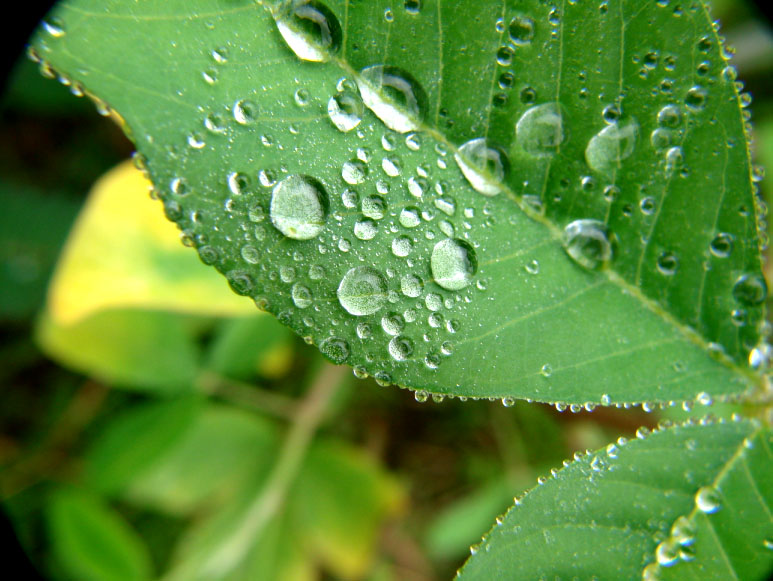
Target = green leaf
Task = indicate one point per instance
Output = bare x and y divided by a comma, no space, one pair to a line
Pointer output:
134,440
217,455
247,345
92,542
616,132
608,514
340,498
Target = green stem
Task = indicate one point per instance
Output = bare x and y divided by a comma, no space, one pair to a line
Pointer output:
246,395
269,500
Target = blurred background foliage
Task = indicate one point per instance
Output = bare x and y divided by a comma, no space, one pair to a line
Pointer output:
147,410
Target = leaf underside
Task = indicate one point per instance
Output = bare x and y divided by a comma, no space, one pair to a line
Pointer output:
222,110
613,513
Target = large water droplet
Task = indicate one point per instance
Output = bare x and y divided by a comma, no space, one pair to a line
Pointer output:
394,96
483,164
301,295
310,29
588,243
610,146
453,263
299,207
540,130
345,110
362,291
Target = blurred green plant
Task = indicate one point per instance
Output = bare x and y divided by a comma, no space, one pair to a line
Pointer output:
225,448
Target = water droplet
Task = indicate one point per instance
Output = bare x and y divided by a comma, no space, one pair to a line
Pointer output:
392,324
310,29
540,130
411,285
374,207
402,246
365,229
453,263
238,183
412,6
546,370
433,302
707,500
532,267
674,160
409,217
668,263
354,172
54,27
417,187
179,186
362,291
394,96
250,254
683,531
587,242
667,553
695,99
483,164
299,207
670,116
521,30
611,145
244,111
301,295
345,110
335,349
391,167
722,245
750,289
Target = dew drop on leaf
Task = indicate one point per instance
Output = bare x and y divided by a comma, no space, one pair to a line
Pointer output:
483,164
299,207
310,29
587,242
336,349
540,130
707,500
394,96
354,172
400,348
750,289
362,291
521,30
453,263
611,145
345,110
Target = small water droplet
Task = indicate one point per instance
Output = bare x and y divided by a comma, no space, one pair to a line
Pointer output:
670,116
301,296
365,229
611,145
411,285
299,207
354,172
335,349
400,348
310,29
722,245
750,289
707,500
394,96
532,267
417,187
521,30
587,242
668,263
453,263
362,291
540,130
374,207
244,111
391,167
695,99
409,217
546,370
54,27
483,164
345,110
402,246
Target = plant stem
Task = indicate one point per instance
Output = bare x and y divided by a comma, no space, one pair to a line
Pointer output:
270,498
247,395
